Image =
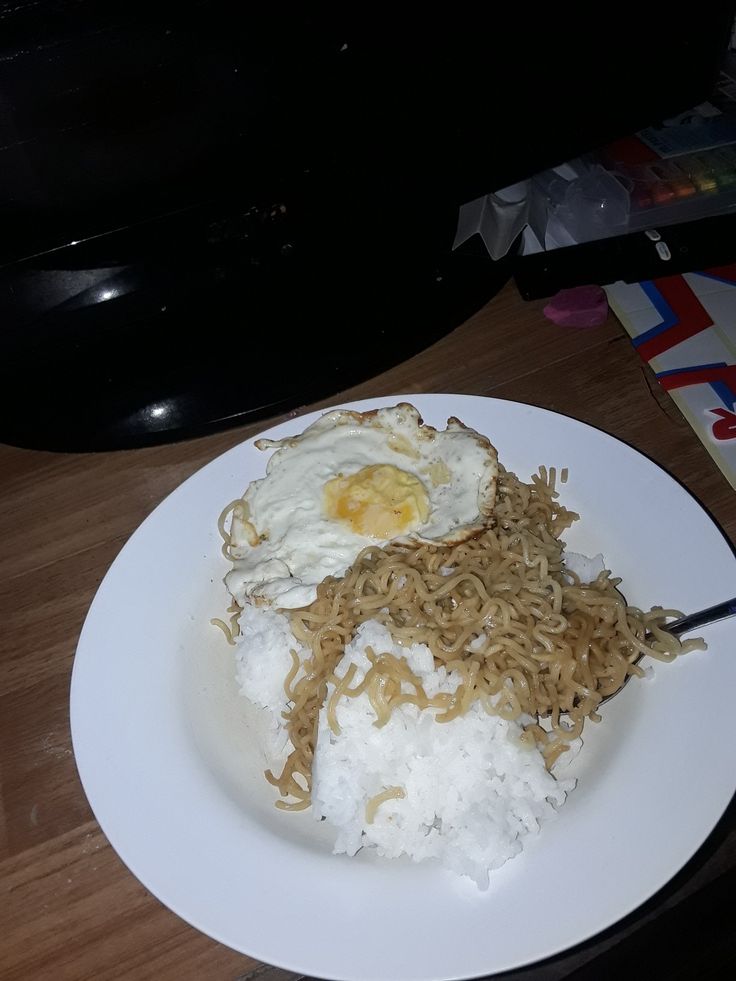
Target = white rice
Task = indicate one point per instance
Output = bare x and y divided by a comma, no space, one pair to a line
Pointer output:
585,567
262,662
262,657
473,792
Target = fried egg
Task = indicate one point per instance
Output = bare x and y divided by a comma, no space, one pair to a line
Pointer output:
350,480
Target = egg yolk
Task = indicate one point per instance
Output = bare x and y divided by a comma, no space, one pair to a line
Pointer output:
378,502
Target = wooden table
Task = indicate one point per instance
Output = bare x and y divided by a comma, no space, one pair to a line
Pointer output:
68,907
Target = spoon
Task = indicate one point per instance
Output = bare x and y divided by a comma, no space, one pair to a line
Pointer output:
693,621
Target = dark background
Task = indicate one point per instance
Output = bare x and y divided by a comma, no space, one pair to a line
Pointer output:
262,199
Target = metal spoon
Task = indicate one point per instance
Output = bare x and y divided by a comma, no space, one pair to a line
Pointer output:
693,621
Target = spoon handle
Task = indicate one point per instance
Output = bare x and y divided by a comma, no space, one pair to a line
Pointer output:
696,620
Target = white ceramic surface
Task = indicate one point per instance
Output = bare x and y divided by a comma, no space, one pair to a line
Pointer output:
169,753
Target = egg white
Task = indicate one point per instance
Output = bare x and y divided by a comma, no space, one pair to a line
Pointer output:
283,542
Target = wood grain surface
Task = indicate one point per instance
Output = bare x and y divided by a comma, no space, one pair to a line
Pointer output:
69,909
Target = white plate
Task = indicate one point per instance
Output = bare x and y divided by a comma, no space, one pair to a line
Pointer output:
168,757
